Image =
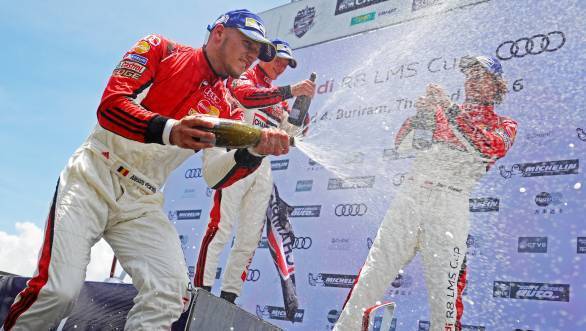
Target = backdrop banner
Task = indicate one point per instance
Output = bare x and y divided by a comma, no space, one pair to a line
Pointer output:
526,262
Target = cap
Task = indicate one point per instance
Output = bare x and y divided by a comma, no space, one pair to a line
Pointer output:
252,26
284,51
489,63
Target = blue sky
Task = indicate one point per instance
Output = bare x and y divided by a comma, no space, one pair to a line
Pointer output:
56,57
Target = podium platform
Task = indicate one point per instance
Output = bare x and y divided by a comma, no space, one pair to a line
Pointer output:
104,306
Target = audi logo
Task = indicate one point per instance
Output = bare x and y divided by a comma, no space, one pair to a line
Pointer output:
193,173
302,243
252,275
399,178
534,45
351,209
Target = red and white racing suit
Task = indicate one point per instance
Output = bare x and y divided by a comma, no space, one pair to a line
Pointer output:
248,199
430,213
110,189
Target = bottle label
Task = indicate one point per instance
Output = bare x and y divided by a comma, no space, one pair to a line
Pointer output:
422,139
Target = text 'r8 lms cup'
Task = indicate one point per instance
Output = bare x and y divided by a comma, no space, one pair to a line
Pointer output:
233,134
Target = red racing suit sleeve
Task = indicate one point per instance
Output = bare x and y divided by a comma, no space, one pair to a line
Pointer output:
491,140
244,89
403,132
119,111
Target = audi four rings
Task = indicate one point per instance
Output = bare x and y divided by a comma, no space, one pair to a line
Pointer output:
193,173
534,45
351,209
302,243
252,275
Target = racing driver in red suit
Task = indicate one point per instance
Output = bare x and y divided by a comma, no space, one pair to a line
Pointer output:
245,203
110,187
430,214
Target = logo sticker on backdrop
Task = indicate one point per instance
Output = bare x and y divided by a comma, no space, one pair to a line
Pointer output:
279,164
533,45
277,313
252,275
344,6
581,134
350,209
551,202
531,291
302,242
546,168
532,245
362,18
420,4
193,173
351,183
339,244
304,21
304,185
484,205
194,214
306,211
401,285
581,245
331,280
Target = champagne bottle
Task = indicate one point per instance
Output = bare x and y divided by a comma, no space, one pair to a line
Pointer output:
423,126
301,106
234,134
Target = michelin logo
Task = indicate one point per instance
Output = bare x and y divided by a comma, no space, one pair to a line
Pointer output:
331,280
278,313
547,168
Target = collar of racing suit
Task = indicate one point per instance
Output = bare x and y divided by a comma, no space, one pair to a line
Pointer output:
213,75
478,112
259,71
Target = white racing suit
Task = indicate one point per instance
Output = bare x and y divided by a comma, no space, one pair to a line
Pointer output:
110,189
430,215
243,203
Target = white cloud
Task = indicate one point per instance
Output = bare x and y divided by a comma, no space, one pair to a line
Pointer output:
19,253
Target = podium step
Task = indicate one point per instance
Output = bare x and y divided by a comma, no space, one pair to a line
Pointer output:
104,306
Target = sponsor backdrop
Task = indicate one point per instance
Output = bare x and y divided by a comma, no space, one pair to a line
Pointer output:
528,232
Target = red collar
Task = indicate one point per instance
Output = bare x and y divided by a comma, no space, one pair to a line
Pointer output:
262,75
205,67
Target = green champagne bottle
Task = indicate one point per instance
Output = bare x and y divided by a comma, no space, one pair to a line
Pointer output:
234,134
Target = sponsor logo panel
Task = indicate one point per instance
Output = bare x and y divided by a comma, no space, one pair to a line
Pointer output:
540,43
306,211
581,245
191,214
193,173
350,209
545,168
531,291
344,6
252,275
278,313
304,185
363,18
351,183
478,205
331,280
279,164
532,245
304,21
